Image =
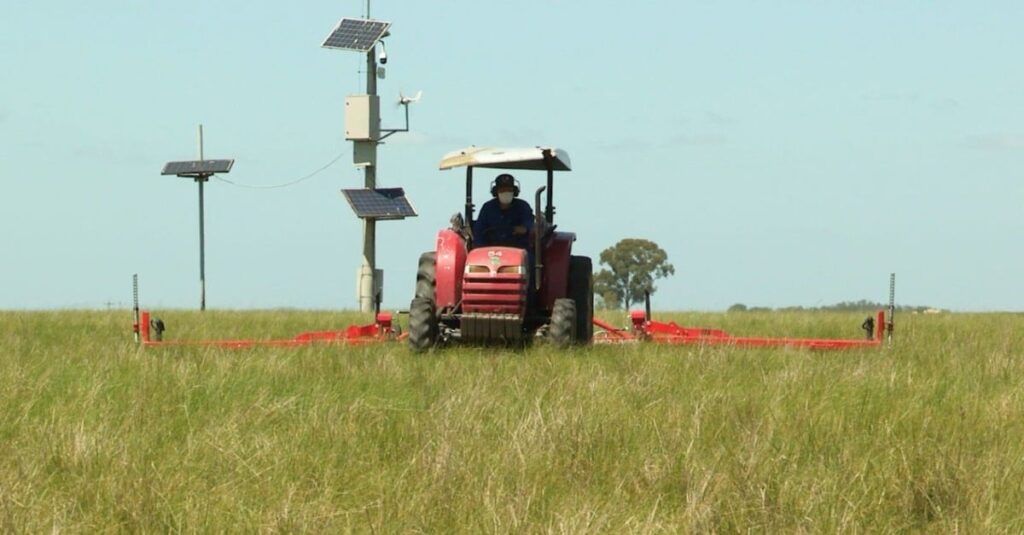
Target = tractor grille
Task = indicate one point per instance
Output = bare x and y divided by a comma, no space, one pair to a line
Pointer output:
504,293
491,328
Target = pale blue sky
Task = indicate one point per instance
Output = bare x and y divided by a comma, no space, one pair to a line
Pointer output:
783,153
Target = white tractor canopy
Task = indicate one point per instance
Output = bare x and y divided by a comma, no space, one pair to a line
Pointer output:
531,158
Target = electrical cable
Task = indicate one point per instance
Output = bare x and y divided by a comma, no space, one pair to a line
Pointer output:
291,183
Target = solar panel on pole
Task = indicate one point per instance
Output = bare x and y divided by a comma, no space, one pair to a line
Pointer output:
381,203
359,35
199,170
197,167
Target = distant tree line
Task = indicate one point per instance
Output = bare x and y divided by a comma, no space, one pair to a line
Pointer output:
845,306
633,264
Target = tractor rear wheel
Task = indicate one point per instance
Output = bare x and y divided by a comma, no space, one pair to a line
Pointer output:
581,290
562,331
422,324
425,278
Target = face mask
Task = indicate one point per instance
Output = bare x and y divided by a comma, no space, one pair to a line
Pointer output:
505,197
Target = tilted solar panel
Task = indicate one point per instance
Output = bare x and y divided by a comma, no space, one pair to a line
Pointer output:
383,203
356,34
197,167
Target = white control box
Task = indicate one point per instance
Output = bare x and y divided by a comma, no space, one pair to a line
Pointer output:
362,117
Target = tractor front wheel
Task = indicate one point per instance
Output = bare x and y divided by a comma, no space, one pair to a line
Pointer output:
425,275
422,324
562,331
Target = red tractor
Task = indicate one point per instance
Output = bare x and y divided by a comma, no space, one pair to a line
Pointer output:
492,294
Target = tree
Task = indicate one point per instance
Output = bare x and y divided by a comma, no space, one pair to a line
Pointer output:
633,266
603,283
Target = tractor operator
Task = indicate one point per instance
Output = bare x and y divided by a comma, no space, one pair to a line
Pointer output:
504,220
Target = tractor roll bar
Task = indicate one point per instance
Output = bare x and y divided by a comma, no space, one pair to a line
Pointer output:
469,196
550,159
549,209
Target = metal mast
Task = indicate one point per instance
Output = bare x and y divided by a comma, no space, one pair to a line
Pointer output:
199,171
367,277
362,127
202,231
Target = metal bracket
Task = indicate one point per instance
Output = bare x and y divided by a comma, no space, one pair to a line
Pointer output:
392,131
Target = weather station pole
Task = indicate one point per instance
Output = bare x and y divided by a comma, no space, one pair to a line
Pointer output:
200,172
367,277
363,129
202,231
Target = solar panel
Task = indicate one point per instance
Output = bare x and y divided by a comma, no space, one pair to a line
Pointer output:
384,203
356,34
197,168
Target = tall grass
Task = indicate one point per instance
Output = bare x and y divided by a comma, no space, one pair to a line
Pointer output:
98,435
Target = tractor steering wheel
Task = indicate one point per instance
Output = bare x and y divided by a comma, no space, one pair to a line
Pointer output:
498,228
548,231
489,235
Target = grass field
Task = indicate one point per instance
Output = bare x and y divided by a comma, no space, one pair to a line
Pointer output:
97,435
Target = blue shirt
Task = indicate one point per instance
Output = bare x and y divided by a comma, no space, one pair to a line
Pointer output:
518,213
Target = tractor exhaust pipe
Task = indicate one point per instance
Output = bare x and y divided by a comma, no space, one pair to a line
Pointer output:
538,262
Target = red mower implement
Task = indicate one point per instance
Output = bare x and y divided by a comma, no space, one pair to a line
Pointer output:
644,329
149,332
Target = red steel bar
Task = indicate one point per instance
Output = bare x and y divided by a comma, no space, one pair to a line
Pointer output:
354,335
642,330
671,333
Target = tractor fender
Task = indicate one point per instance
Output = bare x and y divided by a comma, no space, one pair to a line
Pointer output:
556,269
448,268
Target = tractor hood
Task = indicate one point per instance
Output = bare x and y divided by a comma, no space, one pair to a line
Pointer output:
506,158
